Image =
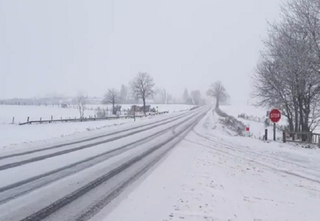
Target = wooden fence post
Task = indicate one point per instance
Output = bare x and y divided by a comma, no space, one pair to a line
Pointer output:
266,134
293,136
284,136
309,137
13,120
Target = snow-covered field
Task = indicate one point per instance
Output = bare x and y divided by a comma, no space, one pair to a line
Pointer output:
21,113
12,135
160,107
212,175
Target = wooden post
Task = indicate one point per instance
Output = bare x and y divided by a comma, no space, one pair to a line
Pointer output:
134,112
293,136
28,119
13,120
51,117
266,134
309,137
284,136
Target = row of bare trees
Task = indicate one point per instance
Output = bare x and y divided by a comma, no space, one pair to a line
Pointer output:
195,98
288,74
142,87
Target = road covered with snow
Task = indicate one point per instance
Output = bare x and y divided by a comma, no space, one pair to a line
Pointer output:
214,175
75,179
186,166
13,136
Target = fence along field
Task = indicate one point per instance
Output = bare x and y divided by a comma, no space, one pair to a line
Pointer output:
20,113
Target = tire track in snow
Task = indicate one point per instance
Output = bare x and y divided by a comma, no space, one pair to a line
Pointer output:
233,148
14,190
58,153
88,139
54,207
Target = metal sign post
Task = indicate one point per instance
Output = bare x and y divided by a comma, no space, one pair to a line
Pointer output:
274,116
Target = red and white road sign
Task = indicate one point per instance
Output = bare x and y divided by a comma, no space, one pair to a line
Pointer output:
275,115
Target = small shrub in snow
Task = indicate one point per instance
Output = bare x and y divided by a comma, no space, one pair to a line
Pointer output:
101,113
231,123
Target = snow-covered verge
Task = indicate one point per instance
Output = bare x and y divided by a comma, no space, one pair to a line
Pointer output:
22,137
214,175
13,135
231,122
160,107
257,128
20,113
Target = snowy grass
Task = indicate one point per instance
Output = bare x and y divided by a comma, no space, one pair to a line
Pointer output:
161,107
21,113
257,128
231,123
12,135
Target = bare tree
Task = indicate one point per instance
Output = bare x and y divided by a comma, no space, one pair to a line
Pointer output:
123,94
196,97
169,98
82,100
111,97
218,91
288,75
142,87
185,96
165,96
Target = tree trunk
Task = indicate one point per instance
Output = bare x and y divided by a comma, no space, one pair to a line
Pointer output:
144,105
290,121
302,123
306,120
307,112
288,113
217,103
296,119
296,115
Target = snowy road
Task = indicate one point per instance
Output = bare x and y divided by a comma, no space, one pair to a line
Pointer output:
75,180
214,176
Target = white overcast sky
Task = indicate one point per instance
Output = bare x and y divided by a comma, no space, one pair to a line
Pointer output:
63,46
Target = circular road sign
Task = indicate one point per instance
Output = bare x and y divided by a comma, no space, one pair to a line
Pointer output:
275,115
